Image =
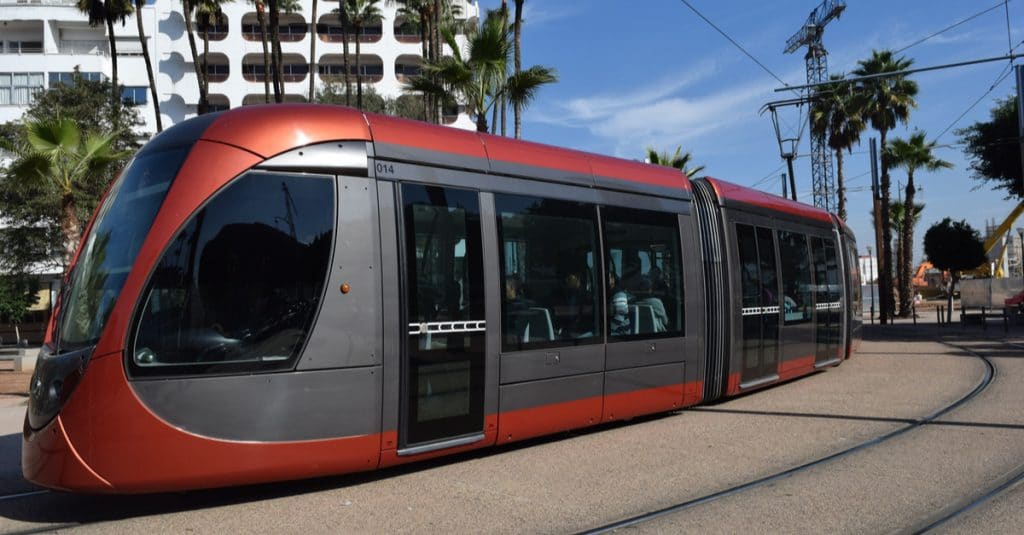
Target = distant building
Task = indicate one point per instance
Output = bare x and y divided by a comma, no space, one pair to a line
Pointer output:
43,41
868,268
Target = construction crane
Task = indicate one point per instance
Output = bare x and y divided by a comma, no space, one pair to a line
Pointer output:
822,180
995,246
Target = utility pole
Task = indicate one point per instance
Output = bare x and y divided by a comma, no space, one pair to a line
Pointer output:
1020,113
822,180
876,203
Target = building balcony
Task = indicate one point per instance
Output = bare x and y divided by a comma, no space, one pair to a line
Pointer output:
407,66
407,31
291,28
218,68
331,67
294,68
329,29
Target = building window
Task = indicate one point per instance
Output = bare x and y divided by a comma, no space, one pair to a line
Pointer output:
19,88
551,294
644,281
68,78
24,47
134,95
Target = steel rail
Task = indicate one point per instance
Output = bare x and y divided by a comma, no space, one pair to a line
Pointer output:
1008,482
986,380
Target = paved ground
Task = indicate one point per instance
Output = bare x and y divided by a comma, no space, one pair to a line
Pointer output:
573,482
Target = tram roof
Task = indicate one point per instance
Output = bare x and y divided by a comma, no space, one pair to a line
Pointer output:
732,194
268,130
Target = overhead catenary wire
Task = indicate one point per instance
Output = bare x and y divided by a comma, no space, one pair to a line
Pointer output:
1003,75
951,26
733,41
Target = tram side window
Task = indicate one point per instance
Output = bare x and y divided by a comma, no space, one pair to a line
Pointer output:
238,287
551,295
644,285
797,287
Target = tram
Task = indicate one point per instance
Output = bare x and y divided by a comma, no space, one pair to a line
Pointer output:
282,292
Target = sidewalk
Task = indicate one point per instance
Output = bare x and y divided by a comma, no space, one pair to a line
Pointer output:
13,383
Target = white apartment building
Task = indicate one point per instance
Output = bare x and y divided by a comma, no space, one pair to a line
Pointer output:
43,41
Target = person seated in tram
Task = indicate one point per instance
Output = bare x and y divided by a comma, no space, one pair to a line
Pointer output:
645,297
575,306
620,323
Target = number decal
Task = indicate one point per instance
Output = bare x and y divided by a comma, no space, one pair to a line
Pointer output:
385,168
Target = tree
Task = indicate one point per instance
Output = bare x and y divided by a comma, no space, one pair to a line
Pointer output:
56,159
208,13
107,12
517,30
994,149
904,252
275,50
885,102
33,238
361,13
332,92
477,75
910,154
312,54
261,18
149,64
953,246
17,294
188,10
678,160
418,11
835,116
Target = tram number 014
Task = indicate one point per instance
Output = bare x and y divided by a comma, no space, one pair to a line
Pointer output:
385,168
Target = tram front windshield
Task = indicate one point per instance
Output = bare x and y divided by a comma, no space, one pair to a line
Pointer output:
107,255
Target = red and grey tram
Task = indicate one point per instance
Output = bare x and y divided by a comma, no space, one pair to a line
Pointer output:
289,291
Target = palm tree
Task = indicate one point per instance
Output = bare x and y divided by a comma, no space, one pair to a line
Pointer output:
678,160
188,8
911,154
361,13
57,153
897,217
418,11
477,75
885,102
149,64
517,30
312,54
207,13
836,116
106,12
261,18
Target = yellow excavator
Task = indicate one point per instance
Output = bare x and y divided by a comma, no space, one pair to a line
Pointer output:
994,247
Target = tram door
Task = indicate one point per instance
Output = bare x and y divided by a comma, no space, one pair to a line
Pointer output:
828,300
443,359
760,309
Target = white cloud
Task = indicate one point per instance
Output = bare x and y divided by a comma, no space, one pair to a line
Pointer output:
668,112
534,16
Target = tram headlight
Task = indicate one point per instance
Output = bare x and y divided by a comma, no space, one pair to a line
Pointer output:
55,377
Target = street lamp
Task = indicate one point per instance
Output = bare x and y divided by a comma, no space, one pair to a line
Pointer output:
874,282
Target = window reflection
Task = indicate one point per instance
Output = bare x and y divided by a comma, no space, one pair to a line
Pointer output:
643,265
550,296
243,279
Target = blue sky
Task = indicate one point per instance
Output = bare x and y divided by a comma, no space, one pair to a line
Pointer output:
634,74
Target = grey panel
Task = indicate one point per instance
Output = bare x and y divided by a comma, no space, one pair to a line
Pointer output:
492,298
553,362
539,393
344,157
629,200
479,181
758,211
543,173
634,353
389,151
348,329
392,311
629,380
693,296
646,189
274,407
